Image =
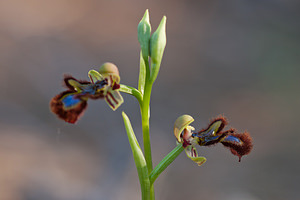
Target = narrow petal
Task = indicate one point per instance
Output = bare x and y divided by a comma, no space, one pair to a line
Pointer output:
68,106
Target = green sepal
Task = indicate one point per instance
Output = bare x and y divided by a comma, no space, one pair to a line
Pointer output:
95,76
192,153
181,123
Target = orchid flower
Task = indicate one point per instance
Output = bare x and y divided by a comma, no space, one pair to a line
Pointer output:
240,144
69,105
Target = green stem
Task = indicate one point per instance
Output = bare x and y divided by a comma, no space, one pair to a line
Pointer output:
164,163
145,125
145,112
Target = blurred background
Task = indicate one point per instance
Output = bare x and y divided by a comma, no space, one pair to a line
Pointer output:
237,58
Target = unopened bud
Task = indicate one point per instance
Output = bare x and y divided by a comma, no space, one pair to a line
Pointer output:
144,32
157,46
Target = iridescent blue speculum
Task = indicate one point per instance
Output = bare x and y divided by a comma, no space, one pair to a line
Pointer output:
69,105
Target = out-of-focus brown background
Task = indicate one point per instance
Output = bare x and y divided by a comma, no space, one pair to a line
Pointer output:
237,58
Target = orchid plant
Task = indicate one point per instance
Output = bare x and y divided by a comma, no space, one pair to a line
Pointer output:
105,84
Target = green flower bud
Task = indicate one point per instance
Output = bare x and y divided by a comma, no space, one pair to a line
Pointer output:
157,46
144,32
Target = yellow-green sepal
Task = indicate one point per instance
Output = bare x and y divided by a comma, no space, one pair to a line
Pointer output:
192,153
181,123
95,76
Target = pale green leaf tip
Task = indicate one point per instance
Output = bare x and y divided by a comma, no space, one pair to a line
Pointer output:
158,42
125,117
146,16
162,25
161,29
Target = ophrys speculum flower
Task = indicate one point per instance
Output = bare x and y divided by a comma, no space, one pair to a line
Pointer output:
240,144
70,104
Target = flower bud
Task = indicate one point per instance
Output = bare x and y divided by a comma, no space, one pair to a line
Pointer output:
157,46
144,32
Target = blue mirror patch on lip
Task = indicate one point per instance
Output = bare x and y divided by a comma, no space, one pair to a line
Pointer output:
232,139
70,100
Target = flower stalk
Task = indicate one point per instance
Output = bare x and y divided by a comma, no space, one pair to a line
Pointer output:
165,162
